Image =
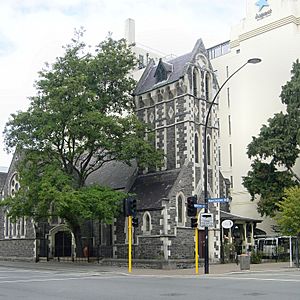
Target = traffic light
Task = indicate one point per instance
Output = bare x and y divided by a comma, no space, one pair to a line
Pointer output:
135,222
133,207
194,222
129,207
191,210
126,207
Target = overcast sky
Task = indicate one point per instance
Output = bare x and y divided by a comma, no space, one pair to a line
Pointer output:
33,32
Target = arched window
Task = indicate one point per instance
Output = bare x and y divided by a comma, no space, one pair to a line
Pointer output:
147,226
147,223
180,209
196,149
14,184
207,87
208,151
195,82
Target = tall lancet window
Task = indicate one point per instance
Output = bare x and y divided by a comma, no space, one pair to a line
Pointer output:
196,149
195,82
208,151
180,210
207,87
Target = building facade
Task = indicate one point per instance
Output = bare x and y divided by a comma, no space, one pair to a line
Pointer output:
172,97
270,31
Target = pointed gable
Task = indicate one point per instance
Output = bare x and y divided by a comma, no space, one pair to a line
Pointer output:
166,72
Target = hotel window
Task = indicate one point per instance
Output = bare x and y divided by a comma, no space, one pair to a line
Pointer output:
231,181
228,97
229,125
141,61
227,71
230,155
219,156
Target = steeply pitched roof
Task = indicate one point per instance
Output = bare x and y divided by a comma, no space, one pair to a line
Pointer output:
149,83
114,174
176,68
150,189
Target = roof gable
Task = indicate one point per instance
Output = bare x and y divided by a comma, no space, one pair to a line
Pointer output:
174,69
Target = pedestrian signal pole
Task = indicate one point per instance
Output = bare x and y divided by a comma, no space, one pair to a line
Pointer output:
196,250
130,211
129,244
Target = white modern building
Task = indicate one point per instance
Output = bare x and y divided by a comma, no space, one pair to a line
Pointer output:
143,53
270,31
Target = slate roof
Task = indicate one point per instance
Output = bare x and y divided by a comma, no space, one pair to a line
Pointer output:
179,64
116,175
3,176
150,189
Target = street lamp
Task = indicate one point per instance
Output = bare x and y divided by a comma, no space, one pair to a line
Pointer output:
250,61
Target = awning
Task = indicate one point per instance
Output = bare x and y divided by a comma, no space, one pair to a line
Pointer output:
228,216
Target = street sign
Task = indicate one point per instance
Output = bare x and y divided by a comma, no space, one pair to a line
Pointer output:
206,220
217,200
199,205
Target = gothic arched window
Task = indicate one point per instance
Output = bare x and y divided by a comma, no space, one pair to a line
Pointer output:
195,82
196,149
208,151
180,209
207,87
147,226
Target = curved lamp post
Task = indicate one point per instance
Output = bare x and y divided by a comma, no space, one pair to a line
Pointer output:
250,61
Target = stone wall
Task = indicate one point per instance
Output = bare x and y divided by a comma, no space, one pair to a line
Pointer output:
17,248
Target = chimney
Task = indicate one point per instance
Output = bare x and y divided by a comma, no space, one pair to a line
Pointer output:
130,31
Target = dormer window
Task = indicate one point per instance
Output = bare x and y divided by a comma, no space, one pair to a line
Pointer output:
161,75
162,71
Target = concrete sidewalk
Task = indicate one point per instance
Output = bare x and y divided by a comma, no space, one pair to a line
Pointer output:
218,269
94,267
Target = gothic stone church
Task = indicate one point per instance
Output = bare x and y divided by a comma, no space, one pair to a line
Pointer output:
173,98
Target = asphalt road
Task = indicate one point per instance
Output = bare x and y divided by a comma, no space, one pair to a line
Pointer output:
44,284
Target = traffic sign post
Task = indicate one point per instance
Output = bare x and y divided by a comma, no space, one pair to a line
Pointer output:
199,205
218,200
206,220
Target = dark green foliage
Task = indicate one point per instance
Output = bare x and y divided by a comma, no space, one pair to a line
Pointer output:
288,217
81,118
275,150
256,257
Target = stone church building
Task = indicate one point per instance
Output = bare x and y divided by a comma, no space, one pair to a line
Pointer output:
172,97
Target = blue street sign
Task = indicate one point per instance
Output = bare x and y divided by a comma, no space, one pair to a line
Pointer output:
199,205
217,200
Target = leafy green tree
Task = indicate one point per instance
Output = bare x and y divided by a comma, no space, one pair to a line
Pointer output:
81,118
275,150
288,217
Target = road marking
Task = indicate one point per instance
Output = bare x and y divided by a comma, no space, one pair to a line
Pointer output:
254,278
57,279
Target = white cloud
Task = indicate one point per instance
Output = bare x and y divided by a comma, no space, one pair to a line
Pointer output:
33,32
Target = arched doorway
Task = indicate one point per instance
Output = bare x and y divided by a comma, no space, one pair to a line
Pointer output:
63,244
